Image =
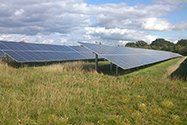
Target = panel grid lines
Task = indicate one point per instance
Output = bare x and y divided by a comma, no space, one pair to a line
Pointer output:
128,58
31,52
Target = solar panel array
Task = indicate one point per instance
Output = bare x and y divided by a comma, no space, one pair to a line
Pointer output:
126,57
30,52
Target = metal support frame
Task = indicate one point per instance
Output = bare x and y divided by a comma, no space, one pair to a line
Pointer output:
116,70
111,67
22,65
96,62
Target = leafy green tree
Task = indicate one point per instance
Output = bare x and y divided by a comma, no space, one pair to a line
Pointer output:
131,45
142,44
138,44
182,42
181,47
162,44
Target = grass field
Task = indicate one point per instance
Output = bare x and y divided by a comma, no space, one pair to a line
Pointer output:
69,94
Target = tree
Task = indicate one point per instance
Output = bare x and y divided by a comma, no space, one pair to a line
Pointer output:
131,45
138,44
181,47
142,44
162,44
182,42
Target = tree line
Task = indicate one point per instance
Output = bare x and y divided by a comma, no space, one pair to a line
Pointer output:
162,44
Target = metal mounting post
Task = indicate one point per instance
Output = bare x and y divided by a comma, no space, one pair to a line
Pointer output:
111,67
116,70
96,62
22,65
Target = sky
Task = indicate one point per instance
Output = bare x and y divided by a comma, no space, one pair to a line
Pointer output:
111,22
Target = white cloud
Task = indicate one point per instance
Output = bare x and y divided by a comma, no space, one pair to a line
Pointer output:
103,30
117,35
19,12
38,38
156,24
69,21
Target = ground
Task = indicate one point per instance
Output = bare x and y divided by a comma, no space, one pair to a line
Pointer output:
174,67
73,93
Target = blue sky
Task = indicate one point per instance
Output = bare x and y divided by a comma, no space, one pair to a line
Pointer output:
106,21
176,16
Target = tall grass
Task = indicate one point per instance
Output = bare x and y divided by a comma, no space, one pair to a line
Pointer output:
72,94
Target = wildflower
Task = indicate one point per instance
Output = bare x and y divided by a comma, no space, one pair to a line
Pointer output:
167,104
142,107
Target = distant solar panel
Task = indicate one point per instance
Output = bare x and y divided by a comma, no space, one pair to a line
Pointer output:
30,52
128,58
82,50
6,45
44,56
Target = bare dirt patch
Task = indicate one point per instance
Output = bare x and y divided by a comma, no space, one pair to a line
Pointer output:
174,67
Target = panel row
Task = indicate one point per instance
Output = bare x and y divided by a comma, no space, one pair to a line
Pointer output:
31,52
128,62
128,58
28,56
104,49
4,45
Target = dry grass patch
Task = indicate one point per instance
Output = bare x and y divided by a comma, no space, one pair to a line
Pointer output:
70,93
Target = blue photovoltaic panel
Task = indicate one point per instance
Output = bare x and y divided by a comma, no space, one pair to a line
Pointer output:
4,45
31,52
127,58
87,53
80,49
36,56
29,56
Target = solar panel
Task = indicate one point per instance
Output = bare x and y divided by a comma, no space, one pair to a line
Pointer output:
31,52
126,57
30,56
87,53
6,45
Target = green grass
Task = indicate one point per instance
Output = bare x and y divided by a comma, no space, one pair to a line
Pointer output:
69,94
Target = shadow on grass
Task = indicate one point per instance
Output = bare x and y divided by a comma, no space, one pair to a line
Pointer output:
104,67
181,72
38,64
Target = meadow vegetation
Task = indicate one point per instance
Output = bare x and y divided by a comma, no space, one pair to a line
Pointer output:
72,94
